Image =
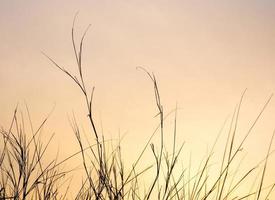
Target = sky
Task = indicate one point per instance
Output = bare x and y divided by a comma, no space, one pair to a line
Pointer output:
203,53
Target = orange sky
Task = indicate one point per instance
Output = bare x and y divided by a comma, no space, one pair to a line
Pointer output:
204,54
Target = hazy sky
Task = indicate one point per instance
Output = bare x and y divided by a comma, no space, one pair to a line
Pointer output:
204,53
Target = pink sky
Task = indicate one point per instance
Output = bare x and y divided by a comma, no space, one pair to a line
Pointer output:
203,53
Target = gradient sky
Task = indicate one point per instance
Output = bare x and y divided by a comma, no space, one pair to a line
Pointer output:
203,53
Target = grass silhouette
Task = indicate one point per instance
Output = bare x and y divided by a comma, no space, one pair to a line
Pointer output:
26,175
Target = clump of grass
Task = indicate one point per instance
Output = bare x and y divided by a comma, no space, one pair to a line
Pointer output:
25,176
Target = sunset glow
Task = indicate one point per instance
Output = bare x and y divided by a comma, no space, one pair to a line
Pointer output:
204,55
